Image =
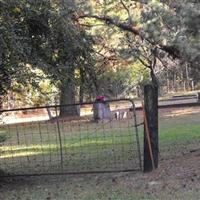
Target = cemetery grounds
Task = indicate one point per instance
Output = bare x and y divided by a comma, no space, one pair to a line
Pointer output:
178,175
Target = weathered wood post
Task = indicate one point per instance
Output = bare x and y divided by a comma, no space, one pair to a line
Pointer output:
151,112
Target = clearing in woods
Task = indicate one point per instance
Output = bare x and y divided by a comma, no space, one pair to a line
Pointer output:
178,176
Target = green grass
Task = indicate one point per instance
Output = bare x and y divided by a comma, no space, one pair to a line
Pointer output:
180,129
101,143
92,146
180,133
104,148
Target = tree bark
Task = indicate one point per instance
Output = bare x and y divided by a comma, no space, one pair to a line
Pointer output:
151,111
67,96
168,83
81,91
1,102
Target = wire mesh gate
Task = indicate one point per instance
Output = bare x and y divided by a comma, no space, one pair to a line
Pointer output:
38,141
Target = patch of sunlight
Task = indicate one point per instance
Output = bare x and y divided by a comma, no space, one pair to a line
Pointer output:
52,146
182,112
24,147
81,143
20,154
22,150
3,131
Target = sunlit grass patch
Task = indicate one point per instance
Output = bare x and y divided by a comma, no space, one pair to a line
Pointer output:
69,145
92,146
20,154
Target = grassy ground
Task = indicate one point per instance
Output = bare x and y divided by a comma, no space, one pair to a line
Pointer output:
35,148
178,176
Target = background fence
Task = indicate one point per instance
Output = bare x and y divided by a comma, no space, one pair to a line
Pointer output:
38,141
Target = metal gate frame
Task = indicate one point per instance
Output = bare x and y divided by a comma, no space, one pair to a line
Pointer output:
135,126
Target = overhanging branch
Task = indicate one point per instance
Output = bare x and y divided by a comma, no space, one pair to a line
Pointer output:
108,20
171,50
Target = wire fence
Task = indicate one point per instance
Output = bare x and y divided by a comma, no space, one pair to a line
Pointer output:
80,138
179,132
36,141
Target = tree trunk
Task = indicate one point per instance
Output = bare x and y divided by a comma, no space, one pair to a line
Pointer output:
1,102
67,96
151,111
168,83
174,82
187,77
81,90
138,91
192,85
198,96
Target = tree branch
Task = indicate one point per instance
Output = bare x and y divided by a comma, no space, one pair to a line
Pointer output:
108,20
128,12
171,50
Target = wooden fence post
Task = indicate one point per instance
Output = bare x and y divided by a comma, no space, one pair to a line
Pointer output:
151,115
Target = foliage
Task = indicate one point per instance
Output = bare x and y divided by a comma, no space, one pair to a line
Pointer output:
162,36
156,30
41,34
175,23
44,93
14,47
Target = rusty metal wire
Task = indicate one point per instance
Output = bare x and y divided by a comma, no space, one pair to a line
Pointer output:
38,141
